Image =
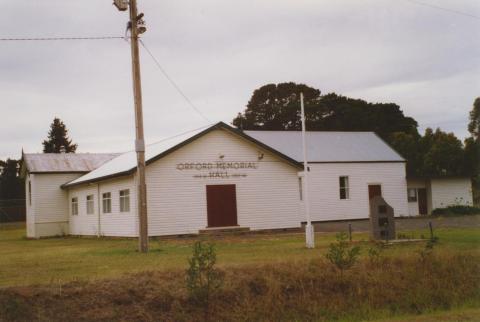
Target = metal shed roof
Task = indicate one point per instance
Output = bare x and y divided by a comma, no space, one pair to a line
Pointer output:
329,146
65,162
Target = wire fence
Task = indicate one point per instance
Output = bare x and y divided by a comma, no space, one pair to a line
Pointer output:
12,210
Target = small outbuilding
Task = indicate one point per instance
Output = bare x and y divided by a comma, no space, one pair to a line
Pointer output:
213,178
427,194
47,205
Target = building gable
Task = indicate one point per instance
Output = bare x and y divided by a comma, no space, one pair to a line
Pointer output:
125,164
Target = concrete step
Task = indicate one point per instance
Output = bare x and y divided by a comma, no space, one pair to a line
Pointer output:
224,230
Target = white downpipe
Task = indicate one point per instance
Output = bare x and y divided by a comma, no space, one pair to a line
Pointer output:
99,230
309,232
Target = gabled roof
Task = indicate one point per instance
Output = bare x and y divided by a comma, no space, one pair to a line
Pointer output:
126,163
329,147
322,147
64,162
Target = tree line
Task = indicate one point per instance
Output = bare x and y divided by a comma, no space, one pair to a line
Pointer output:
435,153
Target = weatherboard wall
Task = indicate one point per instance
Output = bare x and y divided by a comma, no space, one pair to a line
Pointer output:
451,191
83,223
48,214
325,186
267,197
30,214
115,223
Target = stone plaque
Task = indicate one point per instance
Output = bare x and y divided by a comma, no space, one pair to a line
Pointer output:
382,221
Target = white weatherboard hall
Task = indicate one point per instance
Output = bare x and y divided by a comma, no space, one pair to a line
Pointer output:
211,178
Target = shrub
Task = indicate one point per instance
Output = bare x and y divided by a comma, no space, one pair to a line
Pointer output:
375,252
202,278
342,254
456,210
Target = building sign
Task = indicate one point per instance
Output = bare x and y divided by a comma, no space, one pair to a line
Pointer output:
217,170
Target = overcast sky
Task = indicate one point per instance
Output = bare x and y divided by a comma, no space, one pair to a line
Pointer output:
426,60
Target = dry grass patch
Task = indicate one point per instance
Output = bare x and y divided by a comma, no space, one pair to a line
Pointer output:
300,291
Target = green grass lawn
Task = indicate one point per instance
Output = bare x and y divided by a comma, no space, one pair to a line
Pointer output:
60,260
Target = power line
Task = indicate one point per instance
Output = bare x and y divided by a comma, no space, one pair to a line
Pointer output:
444,9
61,38
174,84
171,137
179,90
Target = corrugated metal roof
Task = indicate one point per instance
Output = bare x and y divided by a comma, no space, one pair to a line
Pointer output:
128,161
65,162
329,146
322,147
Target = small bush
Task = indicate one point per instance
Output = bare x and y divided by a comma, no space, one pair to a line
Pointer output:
203,279
456,210
342,254
375,253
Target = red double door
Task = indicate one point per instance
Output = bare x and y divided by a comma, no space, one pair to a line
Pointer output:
222,205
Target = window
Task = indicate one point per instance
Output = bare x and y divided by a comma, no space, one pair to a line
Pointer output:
125,200
107,202
412,195
344,189
90,205
300,188
74,206
30,193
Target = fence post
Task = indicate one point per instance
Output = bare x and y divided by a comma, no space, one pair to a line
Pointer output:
431,230
350,232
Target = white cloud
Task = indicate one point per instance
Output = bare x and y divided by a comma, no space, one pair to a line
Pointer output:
218,52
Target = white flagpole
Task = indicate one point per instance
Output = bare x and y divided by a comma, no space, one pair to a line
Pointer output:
309,232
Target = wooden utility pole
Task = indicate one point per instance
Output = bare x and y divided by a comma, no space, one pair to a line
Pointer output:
140,141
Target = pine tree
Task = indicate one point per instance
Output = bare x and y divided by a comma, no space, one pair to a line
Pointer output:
58,141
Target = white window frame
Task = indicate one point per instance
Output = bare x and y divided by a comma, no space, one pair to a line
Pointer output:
107,202
412,198
124,199
29,192
345,188
300,188
90,204
74,206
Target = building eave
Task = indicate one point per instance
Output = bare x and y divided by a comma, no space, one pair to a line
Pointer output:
111,176
373,161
